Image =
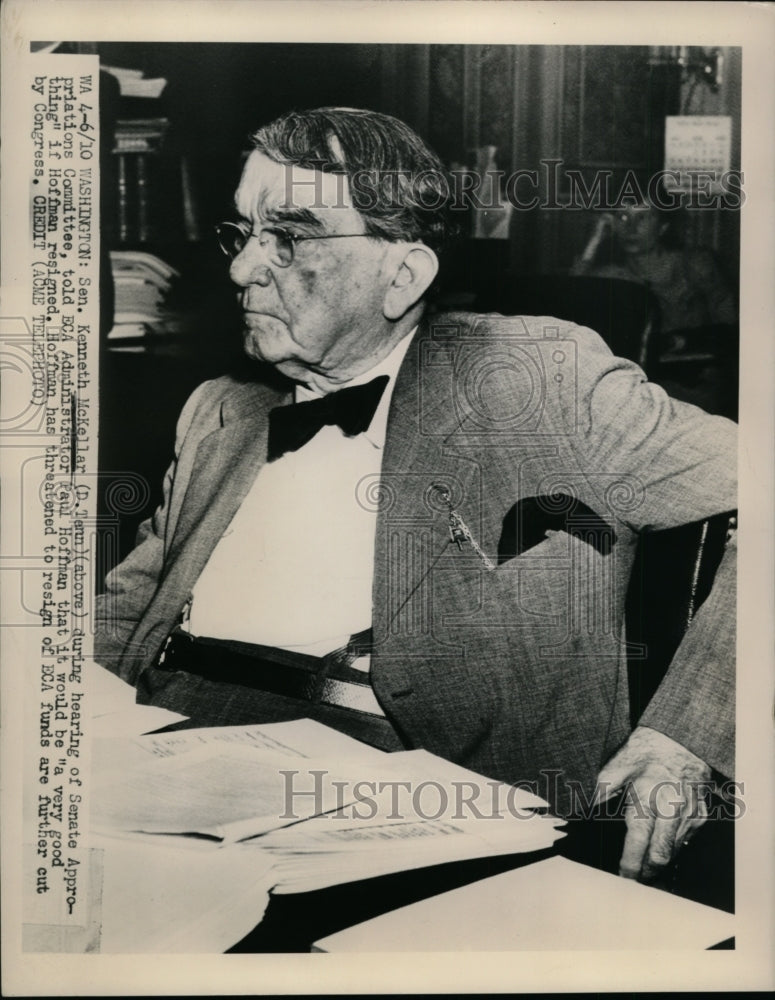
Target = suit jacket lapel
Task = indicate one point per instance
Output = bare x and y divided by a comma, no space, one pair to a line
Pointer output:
411,523
226,464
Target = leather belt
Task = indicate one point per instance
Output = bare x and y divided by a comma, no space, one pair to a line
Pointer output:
265,668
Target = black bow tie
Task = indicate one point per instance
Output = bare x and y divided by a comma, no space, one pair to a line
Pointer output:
352,409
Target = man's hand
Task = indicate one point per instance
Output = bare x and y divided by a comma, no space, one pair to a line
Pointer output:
663,784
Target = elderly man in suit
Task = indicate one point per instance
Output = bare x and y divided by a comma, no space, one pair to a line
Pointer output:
423,536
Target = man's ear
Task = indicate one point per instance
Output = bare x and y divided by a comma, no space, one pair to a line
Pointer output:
415,268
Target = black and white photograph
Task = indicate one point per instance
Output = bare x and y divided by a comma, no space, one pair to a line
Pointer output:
387,528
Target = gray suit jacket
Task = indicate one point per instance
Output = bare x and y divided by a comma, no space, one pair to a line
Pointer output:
520,672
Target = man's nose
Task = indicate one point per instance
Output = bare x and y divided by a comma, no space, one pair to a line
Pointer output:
250,266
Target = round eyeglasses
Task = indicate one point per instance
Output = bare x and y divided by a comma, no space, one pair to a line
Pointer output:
278,243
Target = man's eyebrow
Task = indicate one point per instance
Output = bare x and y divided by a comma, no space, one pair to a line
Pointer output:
292,213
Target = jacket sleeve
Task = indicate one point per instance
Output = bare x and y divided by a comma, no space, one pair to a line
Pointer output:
131,585
695,704
679,465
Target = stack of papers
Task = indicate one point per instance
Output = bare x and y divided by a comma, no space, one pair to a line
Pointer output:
164,892
326,808
228,793
175,895
429,812
142,282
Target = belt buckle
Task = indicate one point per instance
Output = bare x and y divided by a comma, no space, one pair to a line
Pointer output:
163,652
166,658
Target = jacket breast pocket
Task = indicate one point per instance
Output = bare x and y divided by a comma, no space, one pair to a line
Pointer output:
529,590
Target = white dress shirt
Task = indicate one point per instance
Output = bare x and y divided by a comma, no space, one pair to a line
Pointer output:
294,568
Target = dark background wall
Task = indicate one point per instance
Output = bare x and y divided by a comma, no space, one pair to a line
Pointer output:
593,107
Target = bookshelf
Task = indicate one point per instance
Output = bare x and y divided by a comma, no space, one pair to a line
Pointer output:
138,144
